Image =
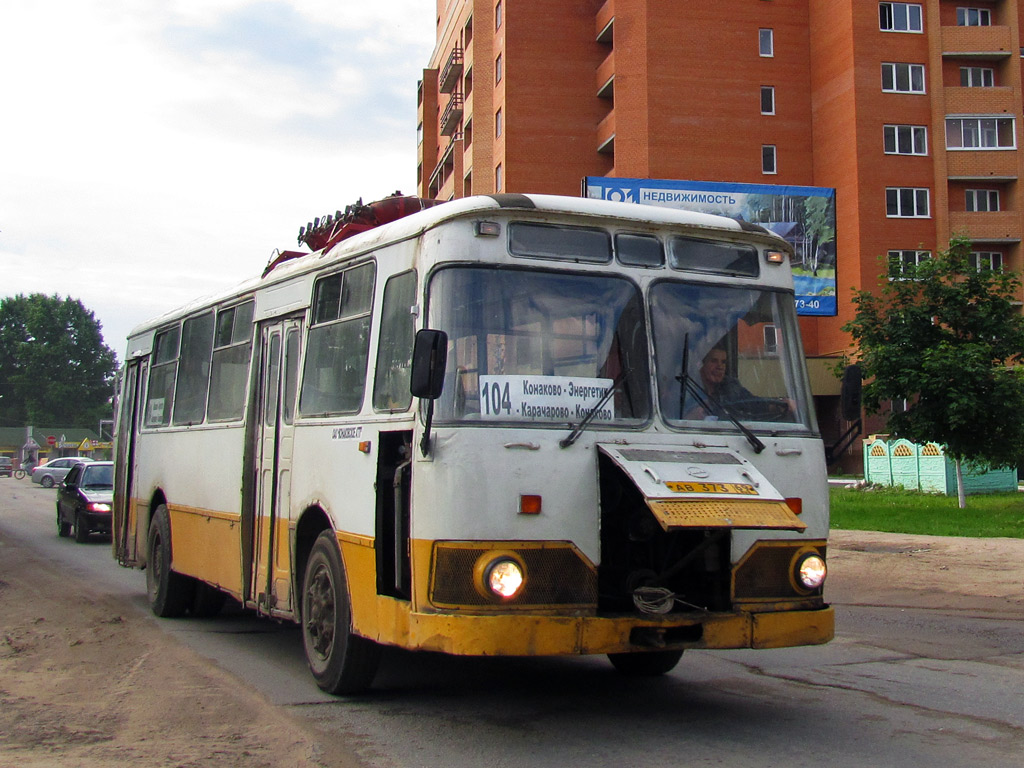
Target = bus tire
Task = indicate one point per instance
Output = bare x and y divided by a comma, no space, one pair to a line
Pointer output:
646,663
170,593
341,662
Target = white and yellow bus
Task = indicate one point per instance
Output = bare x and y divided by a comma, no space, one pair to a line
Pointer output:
504,425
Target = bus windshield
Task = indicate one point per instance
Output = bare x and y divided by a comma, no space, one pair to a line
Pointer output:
727,352
541,347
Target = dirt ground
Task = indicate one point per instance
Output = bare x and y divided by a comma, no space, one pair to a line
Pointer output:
84,683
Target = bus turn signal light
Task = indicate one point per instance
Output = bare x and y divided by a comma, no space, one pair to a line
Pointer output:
529,505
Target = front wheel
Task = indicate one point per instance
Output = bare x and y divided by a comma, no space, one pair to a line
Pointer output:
341,662
646,663
81,529
63,529
170,593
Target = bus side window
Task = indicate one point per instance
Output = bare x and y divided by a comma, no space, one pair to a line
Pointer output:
394,350
160,395
193,370
232,355
334,374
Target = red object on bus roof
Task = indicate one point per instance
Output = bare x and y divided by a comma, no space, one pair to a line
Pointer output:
324,232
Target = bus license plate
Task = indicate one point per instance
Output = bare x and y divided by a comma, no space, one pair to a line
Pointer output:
740,488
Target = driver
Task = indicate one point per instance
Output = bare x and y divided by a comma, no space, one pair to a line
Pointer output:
728,398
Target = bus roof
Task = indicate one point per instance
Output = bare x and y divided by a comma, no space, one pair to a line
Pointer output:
416,223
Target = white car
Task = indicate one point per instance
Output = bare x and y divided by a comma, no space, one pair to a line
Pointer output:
52,472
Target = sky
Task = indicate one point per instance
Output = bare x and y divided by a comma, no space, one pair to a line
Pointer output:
156,151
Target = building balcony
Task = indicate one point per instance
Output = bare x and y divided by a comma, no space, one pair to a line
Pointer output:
982,165
451,73
452,115
977,42
996,227
978,101
606,78
606,134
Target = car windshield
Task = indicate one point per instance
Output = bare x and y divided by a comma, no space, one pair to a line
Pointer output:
98,477
726,352
538,347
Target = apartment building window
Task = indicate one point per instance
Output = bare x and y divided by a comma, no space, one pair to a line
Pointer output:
902,78
497,124
497,16
768,159
906,140
977,77
906,203
900,17
498,178
767,99
497,70
419,134
771,339
902,264
981,133
982,200
766,42
973,17
990,260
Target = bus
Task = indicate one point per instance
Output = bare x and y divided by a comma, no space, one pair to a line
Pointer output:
502,425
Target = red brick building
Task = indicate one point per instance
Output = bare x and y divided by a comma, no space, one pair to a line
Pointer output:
911,111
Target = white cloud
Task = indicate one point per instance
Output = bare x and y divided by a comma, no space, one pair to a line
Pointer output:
154,152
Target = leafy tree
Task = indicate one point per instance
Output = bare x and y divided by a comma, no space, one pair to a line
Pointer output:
55,370
946,335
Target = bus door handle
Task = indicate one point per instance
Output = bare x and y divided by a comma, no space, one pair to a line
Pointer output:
653,474
524,446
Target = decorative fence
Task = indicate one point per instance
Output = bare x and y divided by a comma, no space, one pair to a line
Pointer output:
927,468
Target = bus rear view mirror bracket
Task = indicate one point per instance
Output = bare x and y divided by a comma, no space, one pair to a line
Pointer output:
429,359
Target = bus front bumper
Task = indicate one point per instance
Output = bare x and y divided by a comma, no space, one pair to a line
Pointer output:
533,635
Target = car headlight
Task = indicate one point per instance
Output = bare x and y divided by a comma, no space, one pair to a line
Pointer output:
810,571
504,578
96,507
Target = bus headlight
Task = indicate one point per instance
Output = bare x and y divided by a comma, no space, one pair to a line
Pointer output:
810,571
504,578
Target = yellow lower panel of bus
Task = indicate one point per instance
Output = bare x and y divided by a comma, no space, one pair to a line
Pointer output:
724,513
206,544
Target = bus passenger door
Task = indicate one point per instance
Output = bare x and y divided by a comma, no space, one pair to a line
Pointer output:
271,564
127,535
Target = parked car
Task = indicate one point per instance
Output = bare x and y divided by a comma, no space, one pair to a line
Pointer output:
6,467
52,472
85,499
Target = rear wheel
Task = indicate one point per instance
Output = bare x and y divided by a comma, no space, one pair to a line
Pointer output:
645,664
341,662
63,529
46,482
170,593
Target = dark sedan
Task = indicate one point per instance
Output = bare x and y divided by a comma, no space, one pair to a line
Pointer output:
85,499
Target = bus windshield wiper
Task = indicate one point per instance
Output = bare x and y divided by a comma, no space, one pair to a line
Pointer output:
574,435
706,401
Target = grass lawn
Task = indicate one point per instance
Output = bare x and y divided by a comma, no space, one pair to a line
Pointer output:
898,511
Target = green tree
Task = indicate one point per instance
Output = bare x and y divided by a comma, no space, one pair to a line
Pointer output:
946,336
55,370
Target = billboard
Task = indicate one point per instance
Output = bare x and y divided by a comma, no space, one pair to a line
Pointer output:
804,216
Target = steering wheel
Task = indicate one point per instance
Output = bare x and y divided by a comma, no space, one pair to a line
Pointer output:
760,408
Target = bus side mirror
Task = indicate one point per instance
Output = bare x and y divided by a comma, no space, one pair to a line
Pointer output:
429,358
850,393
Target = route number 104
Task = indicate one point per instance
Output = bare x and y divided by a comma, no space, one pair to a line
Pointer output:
496,399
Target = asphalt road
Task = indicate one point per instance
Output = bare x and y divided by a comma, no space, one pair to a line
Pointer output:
907,682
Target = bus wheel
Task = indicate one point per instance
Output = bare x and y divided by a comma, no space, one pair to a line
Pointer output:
341,662
170,593
645,664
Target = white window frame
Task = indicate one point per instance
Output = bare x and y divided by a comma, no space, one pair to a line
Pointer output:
908,202
771,340
982,201
769,159
905,140
895,71
991,260
499,180
769,91
973,17
499,123
901,258
977,77
901,17
982,132
766,42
